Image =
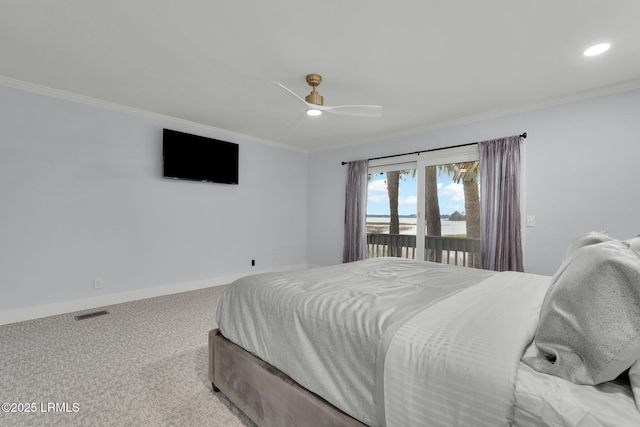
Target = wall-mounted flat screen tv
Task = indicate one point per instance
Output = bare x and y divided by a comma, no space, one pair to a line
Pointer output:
198,158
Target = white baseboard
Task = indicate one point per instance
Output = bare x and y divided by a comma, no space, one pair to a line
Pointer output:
36,312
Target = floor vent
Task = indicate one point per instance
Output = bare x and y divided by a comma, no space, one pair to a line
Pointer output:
89,315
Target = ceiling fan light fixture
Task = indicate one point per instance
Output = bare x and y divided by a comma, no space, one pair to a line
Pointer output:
596,49
315,106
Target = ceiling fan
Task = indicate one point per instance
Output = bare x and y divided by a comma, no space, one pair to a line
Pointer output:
315,107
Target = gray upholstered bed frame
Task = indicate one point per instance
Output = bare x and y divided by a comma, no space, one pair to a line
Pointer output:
265,394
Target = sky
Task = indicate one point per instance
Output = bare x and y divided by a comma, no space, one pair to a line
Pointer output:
450,195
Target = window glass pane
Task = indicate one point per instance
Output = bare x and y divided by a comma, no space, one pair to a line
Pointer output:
445,227
452,213
391,214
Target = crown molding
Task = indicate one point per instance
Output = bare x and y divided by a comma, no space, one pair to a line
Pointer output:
490,115
107,105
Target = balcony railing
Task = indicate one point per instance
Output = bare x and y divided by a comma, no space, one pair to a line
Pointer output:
447,250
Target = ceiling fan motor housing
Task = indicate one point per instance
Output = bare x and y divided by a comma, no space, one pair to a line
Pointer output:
314,97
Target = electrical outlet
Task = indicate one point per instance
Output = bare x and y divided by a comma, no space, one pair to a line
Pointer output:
253,263
531,221
98,283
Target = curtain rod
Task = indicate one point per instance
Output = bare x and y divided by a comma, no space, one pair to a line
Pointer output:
524,135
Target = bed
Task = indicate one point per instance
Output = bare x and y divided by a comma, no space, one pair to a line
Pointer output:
397,342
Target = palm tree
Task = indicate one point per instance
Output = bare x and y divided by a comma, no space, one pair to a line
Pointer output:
467,172
432,209
393,186
393,189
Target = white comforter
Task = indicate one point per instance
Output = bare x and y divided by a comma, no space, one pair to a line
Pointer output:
455,363
323,327
407,343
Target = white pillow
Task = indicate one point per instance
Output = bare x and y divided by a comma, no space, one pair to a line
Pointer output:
591,238
589,329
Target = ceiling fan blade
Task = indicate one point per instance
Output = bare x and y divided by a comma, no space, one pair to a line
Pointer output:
346,110
291,92
355,110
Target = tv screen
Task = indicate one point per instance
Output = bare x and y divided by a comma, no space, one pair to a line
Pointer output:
197,158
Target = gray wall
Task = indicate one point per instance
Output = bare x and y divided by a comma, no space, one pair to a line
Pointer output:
81,196
581,175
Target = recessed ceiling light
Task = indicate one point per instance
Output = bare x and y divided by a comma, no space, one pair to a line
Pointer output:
314,112
597,49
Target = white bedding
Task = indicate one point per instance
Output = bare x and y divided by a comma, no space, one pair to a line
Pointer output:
323,326
455,363
543,400
399,342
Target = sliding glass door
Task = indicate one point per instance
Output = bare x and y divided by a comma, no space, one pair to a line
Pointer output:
426,207
449,207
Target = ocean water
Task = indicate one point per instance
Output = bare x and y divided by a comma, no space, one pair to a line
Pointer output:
410,227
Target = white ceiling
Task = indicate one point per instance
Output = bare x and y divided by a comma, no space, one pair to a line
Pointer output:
428,63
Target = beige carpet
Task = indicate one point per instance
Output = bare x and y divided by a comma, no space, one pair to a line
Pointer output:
143,364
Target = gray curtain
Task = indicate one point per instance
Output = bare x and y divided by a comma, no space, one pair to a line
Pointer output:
355,212
500,201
